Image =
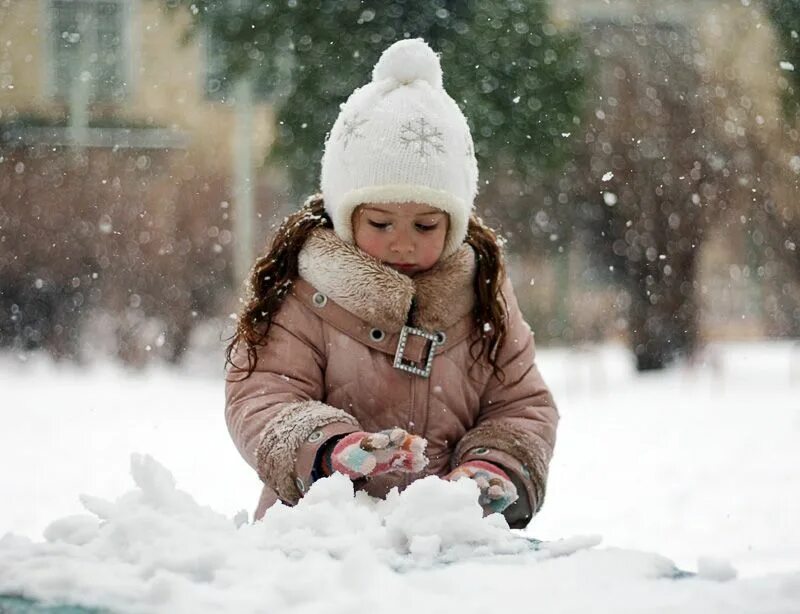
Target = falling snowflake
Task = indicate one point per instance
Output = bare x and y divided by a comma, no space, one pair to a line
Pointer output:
351,130
419,133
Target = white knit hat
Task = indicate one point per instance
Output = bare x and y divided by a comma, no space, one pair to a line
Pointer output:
401,138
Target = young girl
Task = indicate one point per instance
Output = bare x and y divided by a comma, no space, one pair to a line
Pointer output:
382,339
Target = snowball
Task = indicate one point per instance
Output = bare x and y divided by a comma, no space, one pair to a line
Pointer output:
408,61
715,569
241,518
458,524
78,530
563,547
99,507
337,489
425,547
157,485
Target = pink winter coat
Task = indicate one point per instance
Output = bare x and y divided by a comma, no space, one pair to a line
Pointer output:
328,369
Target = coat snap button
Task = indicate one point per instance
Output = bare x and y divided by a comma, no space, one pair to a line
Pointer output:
314,436
319,299
377,334
300,485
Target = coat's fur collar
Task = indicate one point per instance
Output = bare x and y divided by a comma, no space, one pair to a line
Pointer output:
380,295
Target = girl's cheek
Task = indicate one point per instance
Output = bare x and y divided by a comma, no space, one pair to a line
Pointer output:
370,244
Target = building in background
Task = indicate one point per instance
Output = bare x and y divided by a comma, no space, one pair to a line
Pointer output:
126,153
118,168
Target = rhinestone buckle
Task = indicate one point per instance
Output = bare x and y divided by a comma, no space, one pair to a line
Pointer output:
404,364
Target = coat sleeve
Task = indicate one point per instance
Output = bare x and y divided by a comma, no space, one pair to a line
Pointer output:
275,416
516,426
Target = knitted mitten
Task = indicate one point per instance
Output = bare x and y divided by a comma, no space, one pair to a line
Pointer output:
363,454
497,489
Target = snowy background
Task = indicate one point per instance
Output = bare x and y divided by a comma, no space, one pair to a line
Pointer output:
639,158
698,464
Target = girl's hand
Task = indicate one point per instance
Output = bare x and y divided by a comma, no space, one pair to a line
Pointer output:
497,489
363,454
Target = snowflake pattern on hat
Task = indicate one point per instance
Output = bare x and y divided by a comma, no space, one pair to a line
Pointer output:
351,129
426,137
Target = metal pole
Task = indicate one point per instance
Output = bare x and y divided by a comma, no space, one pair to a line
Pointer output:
243,208
82,83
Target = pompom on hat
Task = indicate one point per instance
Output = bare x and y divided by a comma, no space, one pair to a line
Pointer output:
401,138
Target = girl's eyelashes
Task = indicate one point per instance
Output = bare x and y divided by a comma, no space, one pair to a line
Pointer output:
385,225
426,227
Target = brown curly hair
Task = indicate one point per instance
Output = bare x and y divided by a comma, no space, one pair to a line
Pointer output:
273,275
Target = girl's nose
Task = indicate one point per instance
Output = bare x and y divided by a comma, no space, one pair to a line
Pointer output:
403,244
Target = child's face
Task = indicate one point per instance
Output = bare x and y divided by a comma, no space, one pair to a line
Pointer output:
408,237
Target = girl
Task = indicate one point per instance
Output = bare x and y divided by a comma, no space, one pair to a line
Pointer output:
382,338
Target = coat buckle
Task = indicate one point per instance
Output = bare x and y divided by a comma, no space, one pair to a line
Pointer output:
404,364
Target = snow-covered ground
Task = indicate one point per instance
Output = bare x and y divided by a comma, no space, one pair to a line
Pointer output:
698,464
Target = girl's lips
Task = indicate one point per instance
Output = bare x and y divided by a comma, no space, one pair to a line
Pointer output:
403,268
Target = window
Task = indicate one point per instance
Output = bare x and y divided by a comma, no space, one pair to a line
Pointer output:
89,41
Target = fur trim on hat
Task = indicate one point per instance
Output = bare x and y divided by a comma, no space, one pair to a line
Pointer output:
342,216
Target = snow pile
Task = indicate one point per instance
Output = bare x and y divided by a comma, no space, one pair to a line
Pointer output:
155,547
675,463
156,550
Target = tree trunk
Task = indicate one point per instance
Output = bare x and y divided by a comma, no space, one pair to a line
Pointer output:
663,313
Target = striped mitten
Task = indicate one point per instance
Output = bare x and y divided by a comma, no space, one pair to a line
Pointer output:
497,489
363,454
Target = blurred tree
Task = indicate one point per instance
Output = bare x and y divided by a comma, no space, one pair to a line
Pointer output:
776,170
684,141
126,265
785,16
516,76
650,188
